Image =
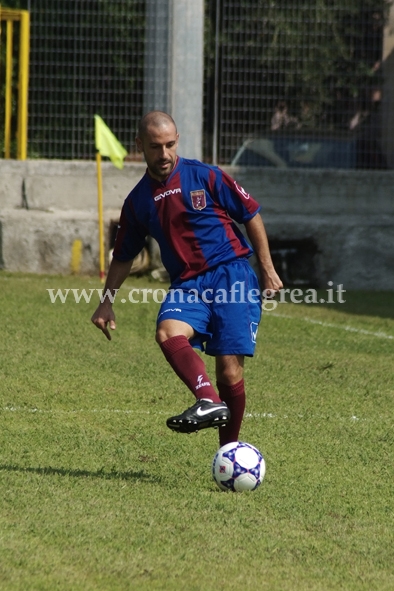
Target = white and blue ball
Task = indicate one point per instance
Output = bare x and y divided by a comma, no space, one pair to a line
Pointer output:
238,466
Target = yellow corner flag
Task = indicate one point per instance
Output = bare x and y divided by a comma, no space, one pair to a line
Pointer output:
107,144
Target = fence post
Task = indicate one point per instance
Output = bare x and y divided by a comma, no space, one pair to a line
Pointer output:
174,67
10,15
24,50
8,90
388,90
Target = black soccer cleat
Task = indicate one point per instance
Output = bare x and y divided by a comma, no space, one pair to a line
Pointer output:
203,414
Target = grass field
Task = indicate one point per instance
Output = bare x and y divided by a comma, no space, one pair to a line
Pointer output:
97,494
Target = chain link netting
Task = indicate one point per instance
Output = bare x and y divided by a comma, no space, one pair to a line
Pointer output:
294,73
297,71
87,57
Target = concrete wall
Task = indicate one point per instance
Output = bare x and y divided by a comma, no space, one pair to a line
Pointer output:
46,205
348,214
65,185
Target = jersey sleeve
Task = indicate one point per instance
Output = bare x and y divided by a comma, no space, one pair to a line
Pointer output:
130,237
240,206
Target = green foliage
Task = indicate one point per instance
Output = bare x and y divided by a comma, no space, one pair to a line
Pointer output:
96,494
14,4
86,58
321,56
324,53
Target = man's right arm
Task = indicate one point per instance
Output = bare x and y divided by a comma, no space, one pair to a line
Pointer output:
255,230
117,273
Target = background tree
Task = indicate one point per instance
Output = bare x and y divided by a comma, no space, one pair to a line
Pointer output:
321,57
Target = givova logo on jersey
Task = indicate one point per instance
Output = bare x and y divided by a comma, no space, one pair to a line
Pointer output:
166,194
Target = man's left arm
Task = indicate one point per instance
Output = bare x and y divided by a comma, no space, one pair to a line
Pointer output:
257,235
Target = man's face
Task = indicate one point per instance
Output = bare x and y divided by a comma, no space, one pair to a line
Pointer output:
159,146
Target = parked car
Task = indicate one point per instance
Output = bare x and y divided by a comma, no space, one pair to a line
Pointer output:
310,151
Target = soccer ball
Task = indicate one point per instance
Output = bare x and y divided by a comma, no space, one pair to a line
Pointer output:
238,466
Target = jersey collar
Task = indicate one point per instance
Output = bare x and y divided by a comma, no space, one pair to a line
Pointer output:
163,183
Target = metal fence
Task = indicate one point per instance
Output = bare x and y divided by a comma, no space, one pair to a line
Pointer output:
282,75
300,75
87,57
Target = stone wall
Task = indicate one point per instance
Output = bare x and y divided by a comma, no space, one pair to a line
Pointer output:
348,216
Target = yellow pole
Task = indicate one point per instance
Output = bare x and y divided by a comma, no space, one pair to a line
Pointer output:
8,91
76,256
100,216
24,49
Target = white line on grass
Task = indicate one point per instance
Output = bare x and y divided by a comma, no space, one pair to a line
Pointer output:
77,411
380,335
249,415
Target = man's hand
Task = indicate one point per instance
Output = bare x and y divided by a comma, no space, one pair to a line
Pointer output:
102,316
117,273
271,283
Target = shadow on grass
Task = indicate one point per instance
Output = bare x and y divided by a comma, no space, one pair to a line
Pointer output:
112,475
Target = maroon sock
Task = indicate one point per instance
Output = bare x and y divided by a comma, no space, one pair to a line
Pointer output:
234,397
189,367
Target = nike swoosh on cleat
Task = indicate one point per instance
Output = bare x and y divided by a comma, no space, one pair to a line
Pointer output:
202,413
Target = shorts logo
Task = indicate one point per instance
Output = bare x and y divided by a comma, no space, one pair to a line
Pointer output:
199,200
253,331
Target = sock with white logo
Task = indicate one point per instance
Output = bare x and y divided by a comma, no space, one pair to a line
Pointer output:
189,367
234,397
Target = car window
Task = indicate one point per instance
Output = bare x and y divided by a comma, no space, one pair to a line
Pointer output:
298,152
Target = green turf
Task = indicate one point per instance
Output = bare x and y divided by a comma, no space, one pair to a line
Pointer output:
97,494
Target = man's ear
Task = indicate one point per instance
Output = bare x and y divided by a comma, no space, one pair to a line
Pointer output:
138,143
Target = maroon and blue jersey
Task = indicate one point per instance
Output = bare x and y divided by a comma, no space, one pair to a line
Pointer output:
191,215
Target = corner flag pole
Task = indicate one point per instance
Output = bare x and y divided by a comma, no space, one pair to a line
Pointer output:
106,145
100,216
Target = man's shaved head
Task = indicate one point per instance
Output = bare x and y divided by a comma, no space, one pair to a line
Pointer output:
157,139
155,119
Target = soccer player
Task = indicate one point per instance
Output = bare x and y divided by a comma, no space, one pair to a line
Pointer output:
214,301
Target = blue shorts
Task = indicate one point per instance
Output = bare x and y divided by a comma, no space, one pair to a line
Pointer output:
223,305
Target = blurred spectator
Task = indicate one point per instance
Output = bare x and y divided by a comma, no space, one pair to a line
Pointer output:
309,118
367,123
358,118
281,118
